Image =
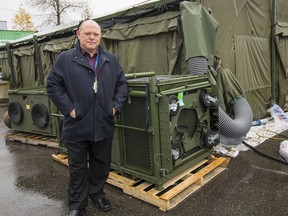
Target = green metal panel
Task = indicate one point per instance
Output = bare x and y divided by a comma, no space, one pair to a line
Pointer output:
147,132
29,100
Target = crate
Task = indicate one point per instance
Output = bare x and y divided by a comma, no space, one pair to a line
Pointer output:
174,191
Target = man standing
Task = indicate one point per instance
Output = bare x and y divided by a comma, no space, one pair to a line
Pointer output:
88,86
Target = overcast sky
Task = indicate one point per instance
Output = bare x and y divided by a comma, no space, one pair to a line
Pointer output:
8,9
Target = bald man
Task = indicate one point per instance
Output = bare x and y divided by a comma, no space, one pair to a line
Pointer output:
89,87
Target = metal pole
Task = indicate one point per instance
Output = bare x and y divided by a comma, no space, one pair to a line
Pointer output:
139,75
38,62
273,30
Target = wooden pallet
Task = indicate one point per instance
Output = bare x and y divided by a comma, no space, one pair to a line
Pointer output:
175,190
30,138
62,158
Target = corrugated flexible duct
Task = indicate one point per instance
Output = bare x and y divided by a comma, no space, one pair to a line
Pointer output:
232,130
197,65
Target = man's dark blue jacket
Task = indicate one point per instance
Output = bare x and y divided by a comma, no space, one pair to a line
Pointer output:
70,86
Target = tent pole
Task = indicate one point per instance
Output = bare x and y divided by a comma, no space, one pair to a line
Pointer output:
273,30
38,63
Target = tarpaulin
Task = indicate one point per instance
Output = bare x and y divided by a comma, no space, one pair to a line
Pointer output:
243,43
148,44
49,51
24,66
4,65
199,29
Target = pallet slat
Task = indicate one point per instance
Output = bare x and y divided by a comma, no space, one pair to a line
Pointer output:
30,138
198,176
62,158
173,192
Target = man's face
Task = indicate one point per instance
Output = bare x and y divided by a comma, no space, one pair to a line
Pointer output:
89,35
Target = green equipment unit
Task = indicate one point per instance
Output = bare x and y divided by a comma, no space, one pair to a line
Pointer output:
30,109
168,124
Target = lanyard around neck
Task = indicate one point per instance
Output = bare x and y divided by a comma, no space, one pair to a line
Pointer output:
96,63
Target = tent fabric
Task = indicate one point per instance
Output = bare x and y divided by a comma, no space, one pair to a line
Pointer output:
252,62
282,44
281,40
46,61
281,29
4,65
282,87
199,40
148,44
27,68
259,102
24,65
244,17
17,72
144,27
3,54
58,45
243,42
253,70
230,90
49,51
24,51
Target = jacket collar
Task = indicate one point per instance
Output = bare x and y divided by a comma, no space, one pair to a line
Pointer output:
81,59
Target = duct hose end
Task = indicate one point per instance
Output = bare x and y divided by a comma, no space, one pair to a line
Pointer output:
233,131
197,65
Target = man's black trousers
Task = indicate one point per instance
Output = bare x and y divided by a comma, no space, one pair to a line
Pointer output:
87,179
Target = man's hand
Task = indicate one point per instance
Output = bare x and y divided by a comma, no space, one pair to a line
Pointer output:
114,111
73,114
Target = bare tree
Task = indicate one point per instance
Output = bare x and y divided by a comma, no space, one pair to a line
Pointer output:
87,13
56,10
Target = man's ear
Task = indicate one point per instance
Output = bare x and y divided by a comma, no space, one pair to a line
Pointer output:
77,33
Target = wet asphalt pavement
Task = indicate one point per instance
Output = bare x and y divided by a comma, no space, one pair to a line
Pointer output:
32,183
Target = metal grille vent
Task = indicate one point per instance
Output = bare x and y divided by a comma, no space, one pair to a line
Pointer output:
137,150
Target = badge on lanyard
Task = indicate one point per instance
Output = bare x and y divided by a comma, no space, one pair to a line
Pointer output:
95,85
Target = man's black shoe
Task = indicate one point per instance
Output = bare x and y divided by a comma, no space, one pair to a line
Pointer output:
102,204
80,212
